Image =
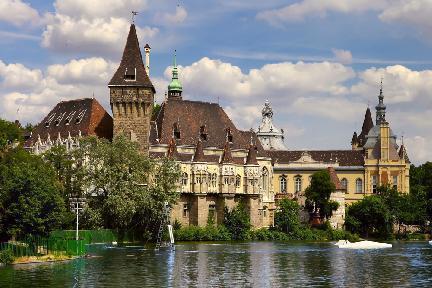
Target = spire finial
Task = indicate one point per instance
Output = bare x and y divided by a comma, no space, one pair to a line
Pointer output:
381,85
134,13
175,56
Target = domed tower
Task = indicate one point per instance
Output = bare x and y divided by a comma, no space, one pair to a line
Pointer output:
270,136
175,88
132,95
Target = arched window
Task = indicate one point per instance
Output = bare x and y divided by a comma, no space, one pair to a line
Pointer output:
283,184
298,184
344,183
359,186
238,180
184,179
214,180
265,177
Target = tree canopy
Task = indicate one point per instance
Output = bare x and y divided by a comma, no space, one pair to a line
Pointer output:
318,194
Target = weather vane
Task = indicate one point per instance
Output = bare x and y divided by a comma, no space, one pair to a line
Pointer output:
134,13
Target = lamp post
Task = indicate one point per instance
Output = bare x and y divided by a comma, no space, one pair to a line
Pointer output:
77,205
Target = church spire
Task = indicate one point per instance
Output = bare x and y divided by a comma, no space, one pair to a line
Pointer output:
380,108
175,88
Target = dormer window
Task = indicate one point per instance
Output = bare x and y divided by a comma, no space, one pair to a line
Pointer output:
229,135
50,119
80,116
176,131
69,117
130,75
203,133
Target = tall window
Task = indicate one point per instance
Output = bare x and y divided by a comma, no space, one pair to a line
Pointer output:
395,182
374,184
298,184
185,210
265,177
238,180
359,186
184,179
283,184
214,180
344,183
211,214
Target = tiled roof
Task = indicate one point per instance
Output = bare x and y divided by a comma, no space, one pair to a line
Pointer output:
131,60
190,116
334,178
344,157
199,153
82,115
226,156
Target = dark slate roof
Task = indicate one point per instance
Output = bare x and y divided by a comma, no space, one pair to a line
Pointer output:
344,157
334,178
81,115
366,127
189,116
131,60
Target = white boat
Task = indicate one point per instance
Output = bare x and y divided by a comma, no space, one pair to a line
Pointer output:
430,242
345,244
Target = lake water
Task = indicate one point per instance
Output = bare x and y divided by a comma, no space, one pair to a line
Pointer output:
251,264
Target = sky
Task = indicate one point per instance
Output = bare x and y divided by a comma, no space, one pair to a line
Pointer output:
318,62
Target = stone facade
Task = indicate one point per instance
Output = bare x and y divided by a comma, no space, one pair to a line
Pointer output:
132,109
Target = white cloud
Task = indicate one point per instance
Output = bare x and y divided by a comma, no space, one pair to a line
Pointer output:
18,13
178,17
418,148
415,13
93,27
300,10
33,92
342,56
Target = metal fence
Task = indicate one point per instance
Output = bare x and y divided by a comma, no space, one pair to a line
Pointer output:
39,246
88,236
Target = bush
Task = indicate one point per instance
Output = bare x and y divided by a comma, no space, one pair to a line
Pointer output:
207,233
6,257
237,222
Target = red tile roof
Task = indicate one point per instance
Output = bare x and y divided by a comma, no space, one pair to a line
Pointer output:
334,178
82,115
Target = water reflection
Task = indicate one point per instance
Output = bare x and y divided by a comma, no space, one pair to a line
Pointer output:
261,264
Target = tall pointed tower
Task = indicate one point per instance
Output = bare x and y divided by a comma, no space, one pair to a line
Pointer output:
132,95
175,88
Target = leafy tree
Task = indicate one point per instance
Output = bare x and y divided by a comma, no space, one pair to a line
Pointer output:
155,112
125,189
30,194
369,216
287,217
9,132
318,194
237,221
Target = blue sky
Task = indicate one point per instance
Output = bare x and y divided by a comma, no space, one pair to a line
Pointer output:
318,62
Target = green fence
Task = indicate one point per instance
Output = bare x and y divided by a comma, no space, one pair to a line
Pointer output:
38,246
88,236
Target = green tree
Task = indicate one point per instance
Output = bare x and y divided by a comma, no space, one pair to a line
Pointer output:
237,221
125,189
318,194
287,218
9,132
30,194
369,216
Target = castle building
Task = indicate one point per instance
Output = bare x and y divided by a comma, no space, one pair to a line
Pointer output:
375,159
220,164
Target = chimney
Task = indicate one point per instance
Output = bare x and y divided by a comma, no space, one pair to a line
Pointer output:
147,58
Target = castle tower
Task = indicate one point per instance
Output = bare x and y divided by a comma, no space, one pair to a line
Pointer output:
132,95
270,136
175,88
380,108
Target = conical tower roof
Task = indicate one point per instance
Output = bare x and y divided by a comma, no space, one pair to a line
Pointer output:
251,156
199,152
226,156
172,149
132,65
366,127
